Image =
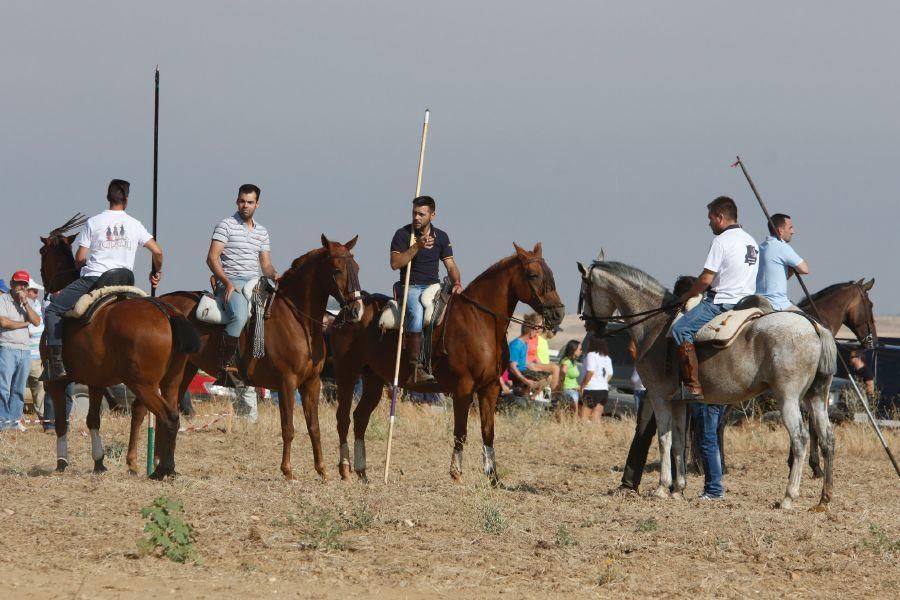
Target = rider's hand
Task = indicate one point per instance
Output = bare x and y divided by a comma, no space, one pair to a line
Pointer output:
229,290
154,279
425,242
457,288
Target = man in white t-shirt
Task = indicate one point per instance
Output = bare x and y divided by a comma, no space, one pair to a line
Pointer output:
107,241
729,274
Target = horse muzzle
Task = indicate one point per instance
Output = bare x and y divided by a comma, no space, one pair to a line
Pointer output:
553,315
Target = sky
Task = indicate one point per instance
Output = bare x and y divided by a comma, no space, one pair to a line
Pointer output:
577,124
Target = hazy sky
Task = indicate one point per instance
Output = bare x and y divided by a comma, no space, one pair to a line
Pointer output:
580,125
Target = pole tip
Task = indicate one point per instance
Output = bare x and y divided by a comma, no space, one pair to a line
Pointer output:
157,68
427,112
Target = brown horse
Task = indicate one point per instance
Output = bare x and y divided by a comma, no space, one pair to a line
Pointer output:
469,348
294,345
130,341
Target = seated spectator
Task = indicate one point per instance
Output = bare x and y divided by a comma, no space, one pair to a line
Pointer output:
518,359
594,389
570,373
539,351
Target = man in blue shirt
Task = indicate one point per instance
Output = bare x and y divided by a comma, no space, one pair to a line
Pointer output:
777,262
518,356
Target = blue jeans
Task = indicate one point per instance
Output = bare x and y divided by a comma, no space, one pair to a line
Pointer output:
706,419
639,396
415,312
49,410
14,367
237,309
61,303
687,326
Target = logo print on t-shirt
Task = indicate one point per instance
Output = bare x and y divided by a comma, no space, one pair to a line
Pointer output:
115,238
752,253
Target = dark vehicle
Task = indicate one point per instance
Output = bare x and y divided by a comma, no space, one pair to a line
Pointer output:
884,360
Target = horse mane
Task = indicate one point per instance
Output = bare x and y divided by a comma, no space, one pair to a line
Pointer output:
300,262
74,223
830,289
549,283
635,277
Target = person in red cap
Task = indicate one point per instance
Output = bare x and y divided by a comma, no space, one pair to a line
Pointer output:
16,314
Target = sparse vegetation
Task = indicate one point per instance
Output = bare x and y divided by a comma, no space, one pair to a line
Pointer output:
564,537
492,519
115,451
168,535
647,525
881,543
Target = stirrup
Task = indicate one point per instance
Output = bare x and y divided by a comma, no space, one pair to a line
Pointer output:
229,379
420,376
685,393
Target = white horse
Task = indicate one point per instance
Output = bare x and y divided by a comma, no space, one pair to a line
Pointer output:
782,352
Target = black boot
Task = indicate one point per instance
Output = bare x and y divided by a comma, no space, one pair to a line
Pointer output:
55,369
418,375
228,375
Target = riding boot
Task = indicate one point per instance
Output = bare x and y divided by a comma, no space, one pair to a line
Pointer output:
413,348
228,375
55,369
690,374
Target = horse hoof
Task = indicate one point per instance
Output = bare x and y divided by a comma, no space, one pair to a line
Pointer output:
288,474
361,475
99,467
456,475
817,475
819,508
661,492
344,471
786,504
61,465
677,495
161,474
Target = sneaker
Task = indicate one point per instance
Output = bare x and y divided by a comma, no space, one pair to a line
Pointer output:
710,497
21,426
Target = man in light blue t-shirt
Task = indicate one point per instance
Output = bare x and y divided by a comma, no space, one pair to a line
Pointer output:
777,262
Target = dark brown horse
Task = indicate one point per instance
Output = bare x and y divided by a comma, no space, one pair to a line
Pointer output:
130,341
469,348
294,345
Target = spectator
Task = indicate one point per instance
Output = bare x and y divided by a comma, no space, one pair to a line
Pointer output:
640,392
862,372
518,357
35,385
594,389
538,356
4,289
568,367
16,313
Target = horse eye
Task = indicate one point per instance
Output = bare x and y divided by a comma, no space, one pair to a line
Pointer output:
533,276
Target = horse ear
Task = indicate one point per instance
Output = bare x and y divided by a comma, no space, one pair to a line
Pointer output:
324,241
602,256
860,280
349,245
519,250
70,239
44,240
538,249
582,270
868,285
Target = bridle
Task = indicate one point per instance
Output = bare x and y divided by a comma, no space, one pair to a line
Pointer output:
353,287
869,340
50,281
546,310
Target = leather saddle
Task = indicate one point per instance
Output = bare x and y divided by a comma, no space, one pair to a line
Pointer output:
390,316
724,329
112,286
211,310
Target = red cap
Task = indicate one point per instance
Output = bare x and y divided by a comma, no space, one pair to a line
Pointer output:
21,276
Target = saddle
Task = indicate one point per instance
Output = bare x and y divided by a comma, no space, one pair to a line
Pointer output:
259,293
724,329
211,310
390,316
112,286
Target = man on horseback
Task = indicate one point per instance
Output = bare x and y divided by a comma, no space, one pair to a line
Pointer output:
108,241
239,250
777,262
729,274
432,246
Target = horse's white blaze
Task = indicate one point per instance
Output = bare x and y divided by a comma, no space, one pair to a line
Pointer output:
96,445
490,461
345,454
62,448
456,461
359,456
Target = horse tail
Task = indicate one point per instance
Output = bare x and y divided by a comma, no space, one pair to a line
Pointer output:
185,338
828,357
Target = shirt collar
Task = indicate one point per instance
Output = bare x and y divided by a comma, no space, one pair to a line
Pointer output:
237,217
734,226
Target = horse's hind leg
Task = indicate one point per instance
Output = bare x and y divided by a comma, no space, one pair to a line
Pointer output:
345,384
461,404
825,435
167,422
793,422
487,403
371,395
679,424
138,412
310,391
663,412
813,443
93,422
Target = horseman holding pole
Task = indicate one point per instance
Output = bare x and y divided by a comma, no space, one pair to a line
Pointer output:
431,247
107,242
778,262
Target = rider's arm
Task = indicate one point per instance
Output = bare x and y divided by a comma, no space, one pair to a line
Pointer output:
156,261
213,261
802,268
400,259
81,256
700,285
453,272
265,263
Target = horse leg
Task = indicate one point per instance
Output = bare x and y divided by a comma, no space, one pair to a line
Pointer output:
371,396
487,403
461,403
679,425
345,384
138,412
57,392
662,409
825,436
312,387
790,415
813,442
93,422
167,422
286,410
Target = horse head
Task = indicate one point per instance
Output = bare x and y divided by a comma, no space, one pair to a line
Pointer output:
536,287
343,278
58,267
860,317
594,306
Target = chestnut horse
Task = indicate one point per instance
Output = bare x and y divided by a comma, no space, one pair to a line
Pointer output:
130,341
469,349
294,345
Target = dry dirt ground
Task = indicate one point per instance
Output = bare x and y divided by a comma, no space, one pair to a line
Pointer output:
549,530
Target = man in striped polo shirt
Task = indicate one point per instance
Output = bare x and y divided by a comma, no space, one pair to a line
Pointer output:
238,252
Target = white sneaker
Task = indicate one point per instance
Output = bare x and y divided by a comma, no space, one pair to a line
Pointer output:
710,497
21,426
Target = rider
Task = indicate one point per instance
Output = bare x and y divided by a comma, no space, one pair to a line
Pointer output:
107,241
238,251
431,247
777,262
729,274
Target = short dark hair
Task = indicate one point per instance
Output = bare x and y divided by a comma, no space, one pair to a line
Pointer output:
248,188
598,345
724,207
778,220
683,284
117,192
424,201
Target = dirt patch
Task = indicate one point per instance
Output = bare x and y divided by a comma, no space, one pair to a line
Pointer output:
550,529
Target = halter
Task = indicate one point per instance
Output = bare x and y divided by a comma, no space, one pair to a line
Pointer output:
869,340
354,288
544,308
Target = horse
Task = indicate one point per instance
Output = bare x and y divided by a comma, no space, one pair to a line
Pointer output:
294,344
131,341
782,351
469,349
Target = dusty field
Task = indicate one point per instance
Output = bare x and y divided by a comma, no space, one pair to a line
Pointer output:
550,529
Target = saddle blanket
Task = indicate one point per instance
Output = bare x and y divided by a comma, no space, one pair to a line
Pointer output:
723,329
84,303
390,316
210,310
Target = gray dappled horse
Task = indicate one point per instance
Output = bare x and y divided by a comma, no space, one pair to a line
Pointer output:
781,352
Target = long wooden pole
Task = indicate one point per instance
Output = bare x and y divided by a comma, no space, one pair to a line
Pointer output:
412,240
859,394
151,419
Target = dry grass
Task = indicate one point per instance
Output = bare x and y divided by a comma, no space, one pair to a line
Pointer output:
550,528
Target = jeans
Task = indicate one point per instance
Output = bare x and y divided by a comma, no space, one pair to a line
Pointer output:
50,415
571,395
62,302
237,309
415,312
245,405
14,367
36,386
706,421
687,326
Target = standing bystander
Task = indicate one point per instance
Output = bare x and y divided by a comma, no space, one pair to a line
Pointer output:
598,370
16,314
35,385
